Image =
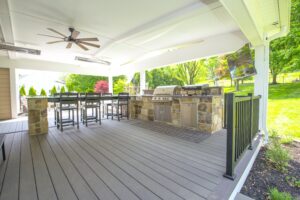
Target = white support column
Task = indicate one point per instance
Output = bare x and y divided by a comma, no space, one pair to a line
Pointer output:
142,82
110,84
261,84
14,92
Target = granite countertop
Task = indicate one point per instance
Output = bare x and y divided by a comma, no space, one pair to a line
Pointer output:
179,96
37,97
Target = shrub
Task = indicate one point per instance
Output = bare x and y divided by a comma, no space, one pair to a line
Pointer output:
276,195
43,92
62,89
277,155
101,87
89,90
22,91
53,91
119,86
32,91
293,181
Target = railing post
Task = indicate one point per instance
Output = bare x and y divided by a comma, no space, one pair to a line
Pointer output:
251,120
225,110
231,123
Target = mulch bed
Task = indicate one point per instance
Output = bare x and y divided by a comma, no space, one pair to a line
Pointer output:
263,176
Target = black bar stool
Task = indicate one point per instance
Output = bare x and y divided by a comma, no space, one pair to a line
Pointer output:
68,102
81,97
91,102
106,105
123,101
56,95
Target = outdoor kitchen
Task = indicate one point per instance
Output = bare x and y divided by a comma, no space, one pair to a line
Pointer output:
199,107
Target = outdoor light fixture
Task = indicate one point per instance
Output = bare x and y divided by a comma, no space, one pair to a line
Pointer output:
92,60
19,49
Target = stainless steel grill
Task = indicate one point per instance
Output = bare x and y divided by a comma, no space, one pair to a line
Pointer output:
165,93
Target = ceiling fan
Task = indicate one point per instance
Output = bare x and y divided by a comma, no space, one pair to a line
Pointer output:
72,39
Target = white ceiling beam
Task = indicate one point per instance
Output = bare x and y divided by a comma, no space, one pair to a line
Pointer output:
31,64
212,46
239,12
6,25
170,19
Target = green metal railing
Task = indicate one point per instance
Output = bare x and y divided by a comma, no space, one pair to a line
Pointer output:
241,117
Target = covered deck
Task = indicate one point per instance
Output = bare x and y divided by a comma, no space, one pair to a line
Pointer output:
117,160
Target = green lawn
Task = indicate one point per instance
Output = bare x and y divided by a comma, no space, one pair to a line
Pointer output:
283,107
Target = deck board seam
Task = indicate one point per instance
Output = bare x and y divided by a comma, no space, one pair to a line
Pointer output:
51,178
61,168
90,167
36,188
52,134
20,165
170,151
165,154
157,171
178,140
165,143
142,171
74,167
110,171
114,143
6,165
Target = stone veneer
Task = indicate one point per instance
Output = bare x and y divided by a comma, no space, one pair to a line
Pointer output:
208,115
37,115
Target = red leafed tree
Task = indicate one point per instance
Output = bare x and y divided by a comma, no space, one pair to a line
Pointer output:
101,87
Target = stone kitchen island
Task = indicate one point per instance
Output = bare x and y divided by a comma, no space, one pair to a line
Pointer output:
202,110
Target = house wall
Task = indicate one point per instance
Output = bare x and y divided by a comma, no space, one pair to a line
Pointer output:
5,96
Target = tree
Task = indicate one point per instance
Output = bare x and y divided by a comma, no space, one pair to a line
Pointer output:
189,72
101,87
211,65
43,92
82,83
119,86
53,91
285,51
32,91
22,91
162,76
62,89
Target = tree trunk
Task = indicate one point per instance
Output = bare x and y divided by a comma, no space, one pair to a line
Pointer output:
237,85
274,79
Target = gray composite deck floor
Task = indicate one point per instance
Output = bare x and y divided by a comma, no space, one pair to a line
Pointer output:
116,160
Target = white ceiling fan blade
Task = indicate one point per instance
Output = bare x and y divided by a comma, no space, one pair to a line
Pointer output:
88,39
51,29
82,46
55,42
89,44
69,45
50,36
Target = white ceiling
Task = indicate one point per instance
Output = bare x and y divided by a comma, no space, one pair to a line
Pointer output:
127,30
